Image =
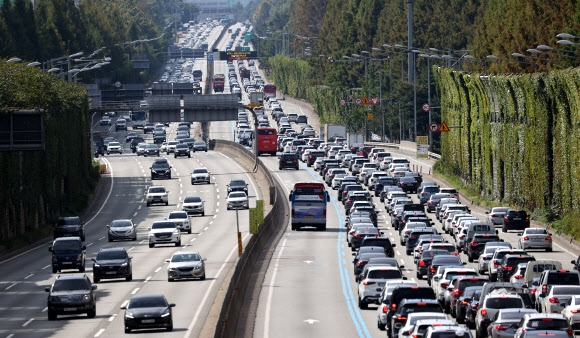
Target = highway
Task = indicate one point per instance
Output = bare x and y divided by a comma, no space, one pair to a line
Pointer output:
24,277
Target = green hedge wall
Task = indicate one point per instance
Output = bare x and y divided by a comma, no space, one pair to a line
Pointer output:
519,141
39,186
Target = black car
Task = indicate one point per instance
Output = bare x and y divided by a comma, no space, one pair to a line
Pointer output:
515,220
148,311
159,136
508,265
160,169
199,146
288,160
302,119
414,238
477,244
181,149
237,185
71,294
384,242
112,263
148,128
68,253
69,227
134,142
408,184
411,305
461,307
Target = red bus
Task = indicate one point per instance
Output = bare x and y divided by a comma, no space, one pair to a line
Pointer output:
267,141
269,90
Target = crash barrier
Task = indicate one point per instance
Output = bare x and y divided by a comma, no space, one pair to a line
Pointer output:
236,310
404,145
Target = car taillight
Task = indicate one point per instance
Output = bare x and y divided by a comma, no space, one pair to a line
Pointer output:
507,267
492,215
401,318
456,293
496,264
361,263
430,202
518,276
548,238
501,327
357,236
554,300
475,306
385,308
368,283
527,218
544,288
473,243
483,258
570,332
534,290
422,263
444,285
431,270
526,238
393,307
575,311
483,312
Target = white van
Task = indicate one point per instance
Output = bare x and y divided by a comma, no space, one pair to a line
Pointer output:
535,268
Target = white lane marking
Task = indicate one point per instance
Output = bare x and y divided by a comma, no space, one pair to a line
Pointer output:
135,291
147,279
29,276
10,286
10,335
112,317
143,241
46,267
125,303
132,248
45,309
99,333
102,238
157,270
212,284
210,222
271,291
204,229
90,244
28,322
193,239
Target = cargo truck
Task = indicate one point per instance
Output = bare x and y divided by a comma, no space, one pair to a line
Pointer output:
332,131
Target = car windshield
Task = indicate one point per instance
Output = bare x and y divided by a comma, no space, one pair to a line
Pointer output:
160,165
163,225
151,146
114,144
67,246
157,190
551,324
177,215
199,143
111,255
200,171
238,183
237,195
185,258
184,146
120,224
192,199
147,302
384,274
71,284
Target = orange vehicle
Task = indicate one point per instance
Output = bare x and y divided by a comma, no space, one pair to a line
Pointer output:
267,141
219,82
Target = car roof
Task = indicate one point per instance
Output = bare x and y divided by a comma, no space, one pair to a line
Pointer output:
60,239
112,249
72,276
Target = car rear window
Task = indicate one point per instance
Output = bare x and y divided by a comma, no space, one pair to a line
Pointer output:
384,274
548,324
566,291
503,303
414,308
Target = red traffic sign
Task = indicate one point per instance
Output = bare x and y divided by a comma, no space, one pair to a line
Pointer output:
374,100
433,127
358,100
342,102
426,107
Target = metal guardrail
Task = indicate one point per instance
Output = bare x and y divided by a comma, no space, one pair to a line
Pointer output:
397,146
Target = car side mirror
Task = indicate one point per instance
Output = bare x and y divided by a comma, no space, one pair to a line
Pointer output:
394,245
84,247
150,167
204,259
464,263
94,260
50,249
149,229
354,253
124,307
542,295
171,305
93,287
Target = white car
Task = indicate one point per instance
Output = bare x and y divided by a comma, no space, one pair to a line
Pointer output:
164,232
518,277
200,175
181,218
193,205
557,297
171,146
140,149
413,317
157,194
572,312
237,200
114,147
369,289
185,264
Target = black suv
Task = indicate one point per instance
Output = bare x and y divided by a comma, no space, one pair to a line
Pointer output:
112,263
160,169
509,264
71,294
134,142
68,253
411,305
477,244
515,220
69,227
288,160
384,242
182,149
313,156
237,185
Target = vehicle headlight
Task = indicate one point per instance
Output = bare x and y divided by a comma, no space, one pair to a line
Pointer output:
124,264
96,265
172,269
129,314
87,297
151,235
165,313
176,231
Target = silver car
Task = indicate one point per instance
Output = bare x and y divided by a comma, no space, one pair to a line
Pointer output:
237,200
181,219
185,264
121,229
496,215
502,324
535,238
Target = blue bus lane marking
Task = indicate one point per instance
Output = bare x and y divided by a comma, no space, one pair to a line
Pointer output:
351,300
